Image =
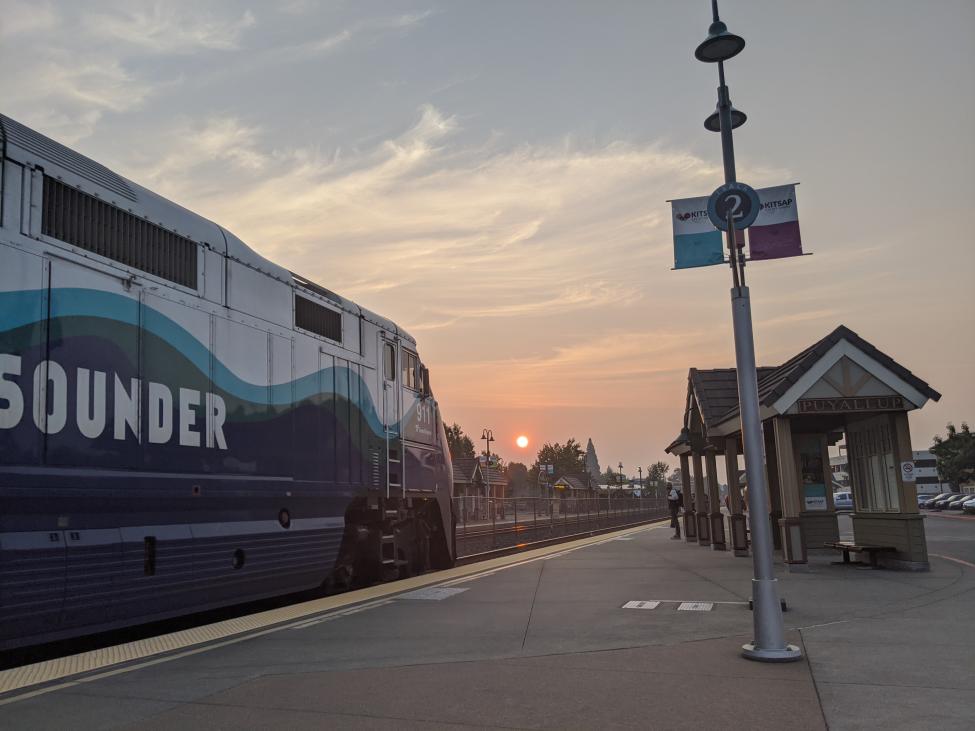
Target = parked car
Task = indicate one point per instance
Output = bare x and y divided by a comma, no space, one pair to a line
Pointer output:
969,505
932,500
946,503
843,500
922,500
956,503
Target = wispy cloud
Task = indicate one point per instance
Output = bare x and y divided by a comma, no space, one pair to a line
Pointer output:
524,232
169,27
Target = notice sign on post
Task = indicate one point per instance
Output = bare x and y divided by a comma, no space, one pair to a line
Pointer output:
907,472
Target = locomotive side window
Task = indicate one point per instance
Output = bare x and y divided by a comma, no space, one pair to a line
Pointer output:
410,363
389,362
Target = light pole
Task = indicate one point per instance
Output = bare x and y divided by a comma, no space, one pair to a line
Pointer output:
769,633
488,437
621,478
640,480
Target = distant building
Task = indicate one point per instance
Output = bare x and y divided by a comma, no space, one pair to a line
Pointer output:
572,485
473,478
926,474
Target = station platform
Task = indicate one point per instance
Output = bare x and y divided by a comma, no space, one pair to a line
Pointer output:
623,630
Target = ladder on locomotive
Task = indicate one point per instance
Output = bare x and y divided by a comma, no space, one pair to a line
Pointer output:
392,419
395,484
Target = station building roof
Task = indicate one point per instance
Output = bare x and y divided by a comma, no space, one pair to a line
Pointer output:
843,361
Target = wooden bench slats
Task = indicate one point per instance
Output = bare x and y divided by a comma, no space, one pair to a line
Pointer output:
847,548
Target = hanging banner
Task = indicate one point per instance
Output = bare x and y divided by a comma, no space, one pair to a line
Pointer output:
696,242
775,233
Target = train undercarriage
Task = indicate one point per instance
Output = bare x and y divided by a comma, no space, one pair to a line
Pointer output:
392,538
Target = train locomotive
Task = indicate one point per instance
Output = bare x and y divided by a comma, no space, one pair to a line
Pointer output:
185,425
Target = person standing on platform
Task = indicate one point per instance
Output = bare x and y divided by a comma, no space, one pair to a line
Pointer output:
674,501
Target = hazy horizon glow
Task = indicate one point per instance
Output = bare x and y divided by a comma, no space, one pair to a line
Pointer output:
493,177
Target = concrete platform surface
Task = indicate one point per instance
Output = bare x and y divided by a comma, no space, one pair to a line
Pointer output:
548,644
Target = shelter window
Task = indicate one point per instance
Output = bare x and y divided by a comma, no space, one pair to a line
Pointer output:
872,465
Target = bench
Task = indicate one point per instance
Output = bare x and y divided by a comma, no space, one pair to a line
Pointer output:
847,548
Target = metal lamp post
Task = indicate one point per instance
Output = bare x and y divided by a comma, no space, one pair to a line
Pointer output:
769,634
621,478
488,437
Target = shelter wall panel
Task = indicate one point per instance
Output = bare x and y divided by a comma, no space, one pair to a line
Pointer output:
819,528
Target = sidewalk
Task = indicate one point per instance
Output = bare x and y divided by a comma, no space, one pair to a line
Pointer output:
547,643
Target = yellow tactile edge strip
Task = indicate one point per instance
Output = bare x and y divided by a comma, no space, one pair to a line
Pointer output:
241,628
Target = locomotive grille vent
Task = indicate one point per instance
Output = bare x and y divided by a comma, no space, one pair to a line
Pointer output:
320,320
88,223
375,467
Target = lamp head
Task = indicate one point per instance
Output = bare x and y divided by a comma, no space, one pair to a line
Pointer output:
713,123
720,45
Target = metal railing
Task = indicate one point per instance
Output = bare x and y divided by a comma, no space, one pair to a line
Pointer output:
485,524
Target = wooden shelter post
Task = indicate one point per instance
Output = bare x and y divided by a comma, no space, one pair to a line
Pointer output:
736,521
700,509
790,487
715,516
690,522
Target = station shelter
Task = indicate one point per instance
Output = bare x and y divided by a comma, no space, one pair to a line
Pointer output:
840,388
477,488
573,486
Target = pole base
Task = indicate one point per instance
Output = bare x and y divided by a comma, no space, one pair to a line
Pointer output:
789,653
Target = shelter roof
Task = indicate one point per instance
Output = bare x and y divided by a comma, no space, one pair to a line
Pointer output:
574,482
715,391
492,475
680,444
464,468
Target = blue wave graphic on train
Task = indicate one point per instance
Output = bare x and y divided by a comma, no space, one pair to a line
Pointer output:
21,308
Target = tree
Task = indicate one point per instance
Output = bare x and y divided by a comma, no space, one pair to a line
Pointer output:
956,455
657,472
460,444
496,459
592,462
610,477
517,478
567,458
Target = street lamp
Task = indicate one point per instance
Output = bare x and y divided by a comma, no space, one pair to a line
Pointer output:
640,480
769,633
488,437
621,478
